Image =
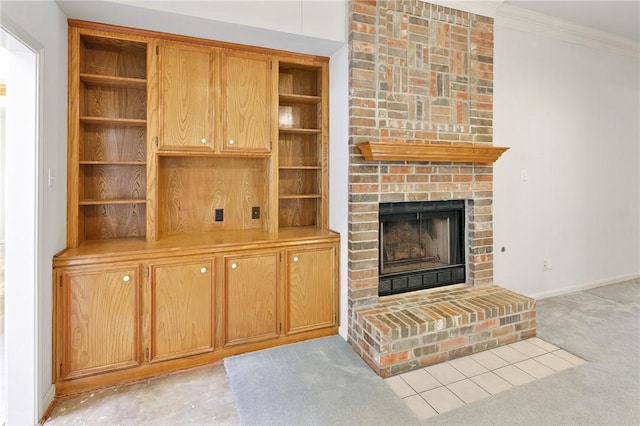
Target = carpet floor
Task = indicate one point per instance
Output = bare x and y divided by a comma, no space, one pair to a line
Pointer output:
323,382
317,382
602,326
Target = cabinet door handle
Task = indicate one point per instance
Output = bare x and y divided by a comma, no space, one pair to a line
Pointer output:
126,278
203,269
295,258
234,266
203,140
231,141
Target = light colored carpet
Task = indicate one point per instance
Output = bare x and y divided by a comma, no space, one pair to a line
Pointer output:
317,382
601,326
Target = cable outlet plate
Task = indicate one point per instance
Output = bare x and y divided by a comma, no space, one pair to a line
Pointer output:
219,215
255,212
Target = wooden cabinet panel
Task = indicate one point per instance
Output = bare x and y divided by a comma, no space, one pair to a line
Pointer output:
251,298
311,288
100,321
186,96
246,102
181,309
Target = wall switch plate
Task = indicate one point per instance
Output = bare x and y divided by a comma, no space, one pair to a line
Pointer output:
255,212
219,215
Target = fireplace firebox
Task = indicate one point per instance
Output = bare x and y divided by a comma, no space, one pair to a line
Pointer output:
421,245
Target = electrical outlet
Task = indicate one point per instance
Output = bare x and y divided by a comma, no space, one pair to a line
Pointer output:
219,215
255,212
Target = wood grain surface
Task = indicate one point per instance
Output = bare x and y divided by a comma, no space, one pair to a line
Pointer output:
186,96
251,298
181,309
311,287
100,321
246,101
192,188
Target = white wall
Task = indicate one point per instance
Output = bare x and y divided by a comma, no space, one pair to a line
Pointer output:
570,115
2,179
313,18
306,26
339,167
41,25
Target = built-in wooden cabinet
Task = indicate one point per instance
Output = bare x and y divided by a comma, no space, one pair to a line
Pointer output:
187,97
310,293
197,205
251,297
182,308
246,86
100,320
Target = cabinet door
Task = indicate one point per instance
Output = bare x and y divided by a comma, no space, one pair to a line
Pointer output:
246,102
100,321
186,75
181,309
251,298
311,288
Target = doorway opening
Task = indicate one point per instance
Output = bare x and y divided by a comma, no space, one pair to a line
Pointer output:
19,369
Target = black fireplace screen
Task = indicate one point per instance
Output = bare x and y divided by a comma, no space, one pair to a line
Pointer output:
421,245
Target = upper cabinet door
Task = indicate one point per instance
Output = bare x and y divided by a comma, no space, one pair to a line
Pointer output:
186,96
246,101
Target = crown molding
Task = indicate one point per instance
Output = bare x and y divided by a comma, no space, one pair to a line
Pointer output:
517,18
479,7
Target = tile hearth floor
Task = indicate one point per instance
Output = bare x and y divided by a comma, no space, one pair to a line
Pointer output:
443,387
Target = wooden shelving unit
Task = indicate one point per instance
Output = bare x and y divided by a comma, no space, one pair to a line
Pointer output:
197,205
302,125
107,137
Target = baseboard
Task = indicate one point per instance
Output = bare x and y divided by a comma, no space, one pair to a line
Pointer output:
48,401
584,286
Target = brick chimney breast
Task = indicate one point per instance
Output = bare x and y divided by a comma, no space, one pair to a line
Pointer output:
417,72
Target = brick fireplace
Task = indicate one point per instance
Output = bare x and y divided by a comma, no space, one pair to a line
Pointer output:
422,74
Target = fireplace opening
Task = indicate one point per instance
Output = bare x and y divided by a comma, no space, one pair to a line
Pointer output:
421,245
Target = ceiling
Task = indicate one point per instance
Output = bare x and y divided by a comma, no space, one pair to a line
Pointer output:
621,18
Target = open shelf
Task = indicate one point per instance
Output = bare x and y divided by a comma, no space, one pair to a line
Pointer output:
298,196
106,220
98,202
301,99
113,81
114,163
300,167
293,130
107,121
114,57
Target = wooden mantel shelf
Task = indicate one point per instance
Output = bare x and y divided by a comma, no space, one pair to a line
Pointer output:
427,151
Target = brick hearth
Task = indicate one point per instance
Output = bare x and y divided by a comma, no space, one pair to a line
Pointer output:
425,327
421,73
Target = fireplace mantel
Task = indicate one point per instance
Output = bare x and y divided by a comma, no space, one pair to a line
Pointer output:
428,151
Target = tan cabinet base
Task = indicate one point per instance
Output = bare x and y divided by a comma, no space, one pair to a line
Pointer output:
127,310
